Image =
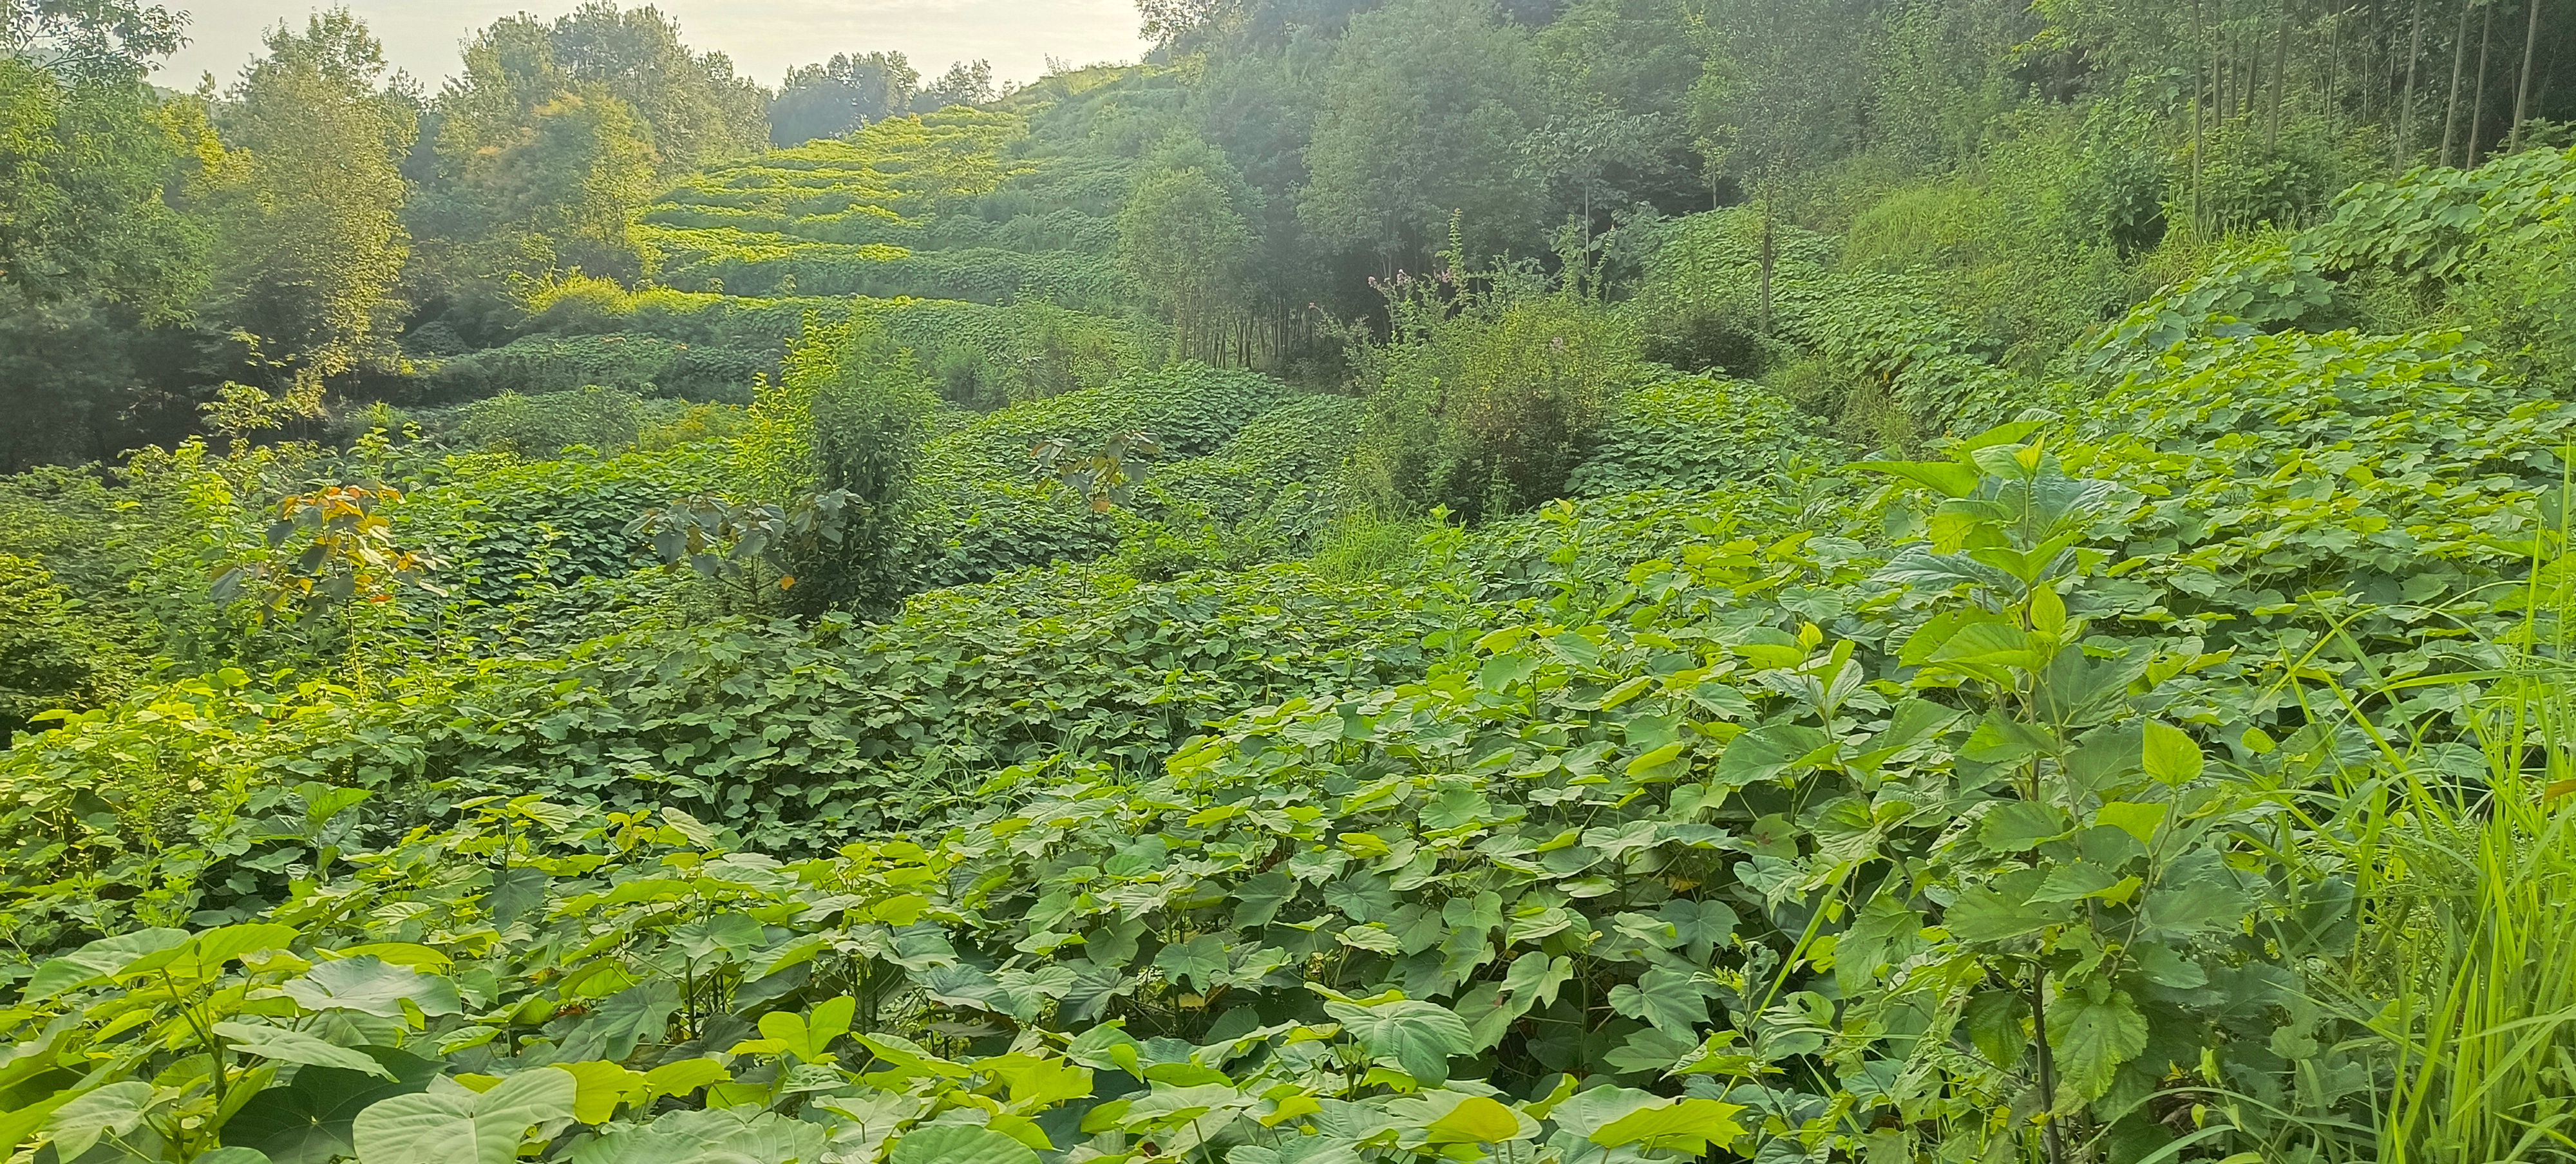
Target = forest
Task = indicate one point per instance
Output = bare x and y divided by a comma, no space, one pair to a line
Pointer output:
1514,581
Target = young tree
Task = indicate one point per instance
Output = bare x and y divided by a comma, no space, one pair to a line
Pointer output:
310,243
566,191
965,83
1423,112
699,110
1183,239
839,95
89,39
85,167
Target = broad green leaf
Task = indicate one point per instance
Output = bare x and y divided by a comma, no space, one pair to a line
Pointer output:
369,985
79,1122
2187,904
1651,1051
287,1046
1990,644
1417,1036
1667,997
1036,1083
2093,1029
682,1077
1994,1020
2172,755
1688,1126
451,1125
2137,820
1648,762
100,959
900,910
204,956
959,1144
2018,826
1949,478
2165,966
601,1088
1702,926
407,954
1199,963
722,1136
1985,914
1260,896
1766,752
2047,612
1883,932
309,1120
1535,977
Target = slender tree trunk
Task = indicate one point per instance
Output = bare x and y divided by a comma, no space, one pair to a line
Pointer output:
2199,137
1769,253
2253,73
2406,95
2280,75
2459,66
2522,90
2478,104
2053,1139
2334,63
2222,73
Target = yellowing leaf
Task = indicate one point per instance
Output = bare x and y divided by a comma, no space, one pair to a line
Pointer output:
602,1087
1689,1126
1476,1120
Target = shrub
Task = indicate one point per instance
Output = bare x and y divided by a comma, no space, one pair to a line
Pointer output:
868,409
544,425
1702,340
53,652
1485,400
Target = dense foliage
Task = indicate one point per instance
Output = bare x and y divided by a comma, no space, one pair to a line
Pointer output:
1548,583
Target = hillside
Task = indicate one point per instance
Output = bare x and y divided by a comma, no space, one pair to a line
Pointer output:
997,636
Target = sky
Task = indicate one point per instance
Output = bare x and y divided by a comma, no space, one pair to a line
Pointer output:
764,37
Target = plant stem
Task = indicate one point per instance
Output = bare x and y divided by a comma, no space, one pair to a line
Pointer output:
2048,1132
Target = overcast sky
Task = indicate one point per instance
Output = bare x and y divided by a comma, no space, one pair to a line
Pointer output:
764,37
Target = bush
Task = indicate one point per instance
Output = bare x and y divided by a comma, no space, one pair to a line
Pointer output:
1707,341
645,365
1484,402
544,425
53,652
868,408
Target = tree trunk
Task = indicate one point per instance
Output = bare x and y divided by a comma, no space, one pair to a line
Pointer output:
2522,90
2459,66
2478,103
2406,95
2334,63
2199,139
2280,75
1769,252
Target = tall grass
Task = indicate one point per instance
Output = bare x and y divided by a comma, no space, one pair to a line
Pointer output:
2471,883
